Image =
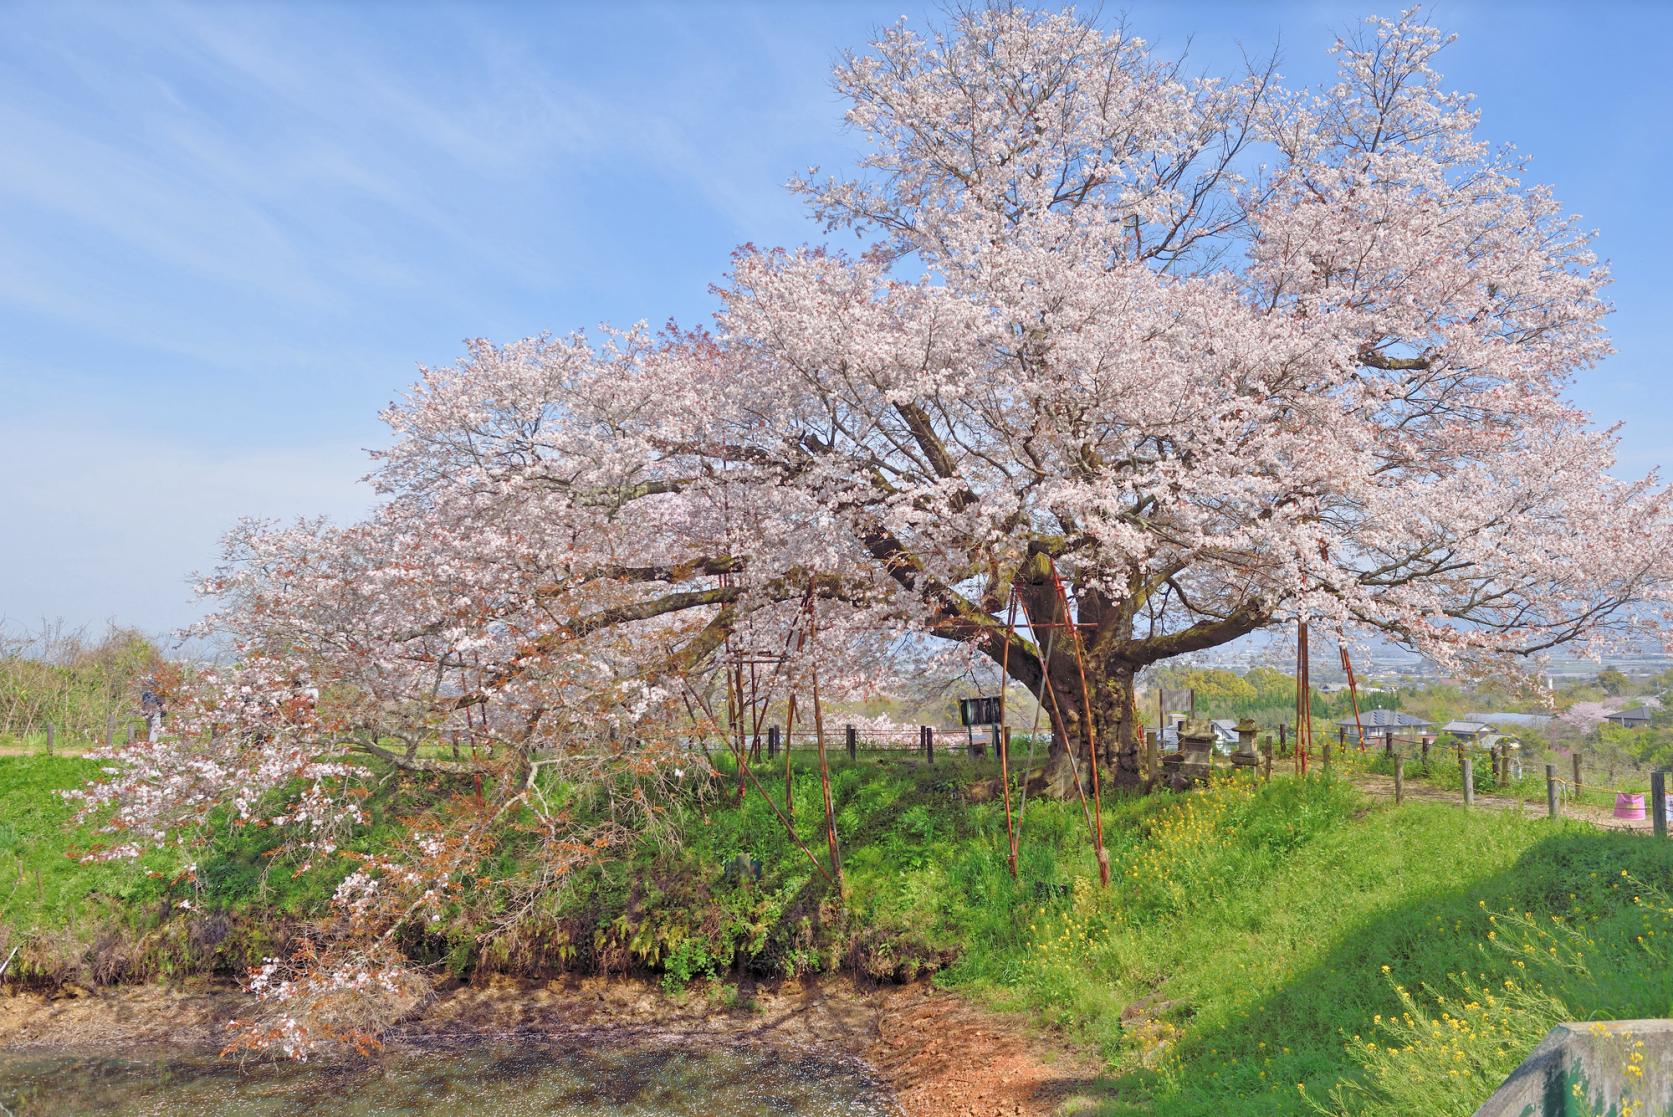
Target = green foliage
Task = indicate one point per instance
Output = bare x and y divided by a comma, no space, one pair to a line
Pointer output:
1612,682
1648,747
1235,967
64,679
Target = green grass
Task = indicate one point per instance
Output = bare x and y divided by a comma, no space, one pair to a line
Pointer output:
1446,774
44,886
1244,938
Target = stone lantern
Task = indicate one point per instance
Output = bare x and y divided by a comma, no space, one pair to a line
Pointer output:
1246,756
1195,757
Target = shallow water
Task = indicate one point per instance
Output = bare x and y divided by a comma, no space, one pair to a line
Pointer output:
490,1081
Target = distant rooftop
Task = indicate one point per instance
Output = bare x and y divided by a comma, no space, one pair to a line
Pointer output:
1387,719
1502,718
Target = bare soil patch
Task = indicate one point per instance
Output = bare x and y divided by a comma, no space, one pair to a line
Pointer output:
941,1055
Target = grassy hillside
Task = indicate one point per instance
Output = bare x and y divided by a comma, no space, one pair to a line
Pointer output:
1264,949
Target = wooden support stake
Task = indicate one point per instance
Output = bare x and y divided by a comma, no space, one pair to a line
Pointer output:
1469,782
1576,759
1658,798
1399,776
1551,790
927,734
853,742
772,741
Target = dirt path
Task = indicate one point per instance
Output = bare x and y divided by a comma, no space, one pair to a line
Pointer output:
942,1056
946,1058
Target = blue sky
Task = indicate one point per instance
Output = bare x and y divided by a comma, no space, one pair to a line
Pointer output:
228,234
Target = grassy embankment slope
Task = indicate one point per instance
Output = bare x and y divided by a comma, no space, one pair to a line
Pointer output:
1263,950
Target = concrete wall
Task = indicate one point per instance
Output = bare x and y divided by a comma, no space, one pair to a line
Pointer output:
1592,1070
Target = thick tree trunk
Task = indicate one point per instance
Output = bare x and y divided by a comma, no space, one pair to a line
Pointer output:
1086,690
1114,726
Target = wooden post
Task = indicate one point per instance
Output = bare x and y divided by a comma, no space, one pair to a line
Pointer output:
1283,745
1266,759
1388,741
1551,790
50,730
1427,741
1469,782
1658,799
772,741
853,742
1327,755
1399,775
996,740
927,733
1341,734
1576,759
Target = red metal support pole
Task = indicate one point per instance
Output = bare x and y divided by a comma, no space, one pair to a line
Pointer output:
1091,730
1004,735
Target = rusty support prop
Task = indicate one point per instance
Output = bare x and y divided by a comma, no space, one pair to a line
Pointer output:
824,764
1004,733
788,827
1056,710
789,786
1353,693
1091,730
1303,700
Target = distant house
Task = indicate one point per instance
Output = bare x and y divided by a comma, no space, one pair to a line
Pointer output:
1170,735
1378,722
1630,719
1465,730
1225,733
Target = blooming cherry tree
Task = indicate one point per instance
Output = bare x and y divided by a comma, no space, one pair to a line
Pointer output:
1220,354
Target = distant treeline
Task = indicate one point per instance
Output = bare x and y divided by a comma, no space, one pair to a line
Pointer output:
1263,693
71,680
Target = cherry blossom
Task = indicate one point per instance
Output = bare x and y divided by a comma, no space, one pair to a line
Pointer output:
1222,354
